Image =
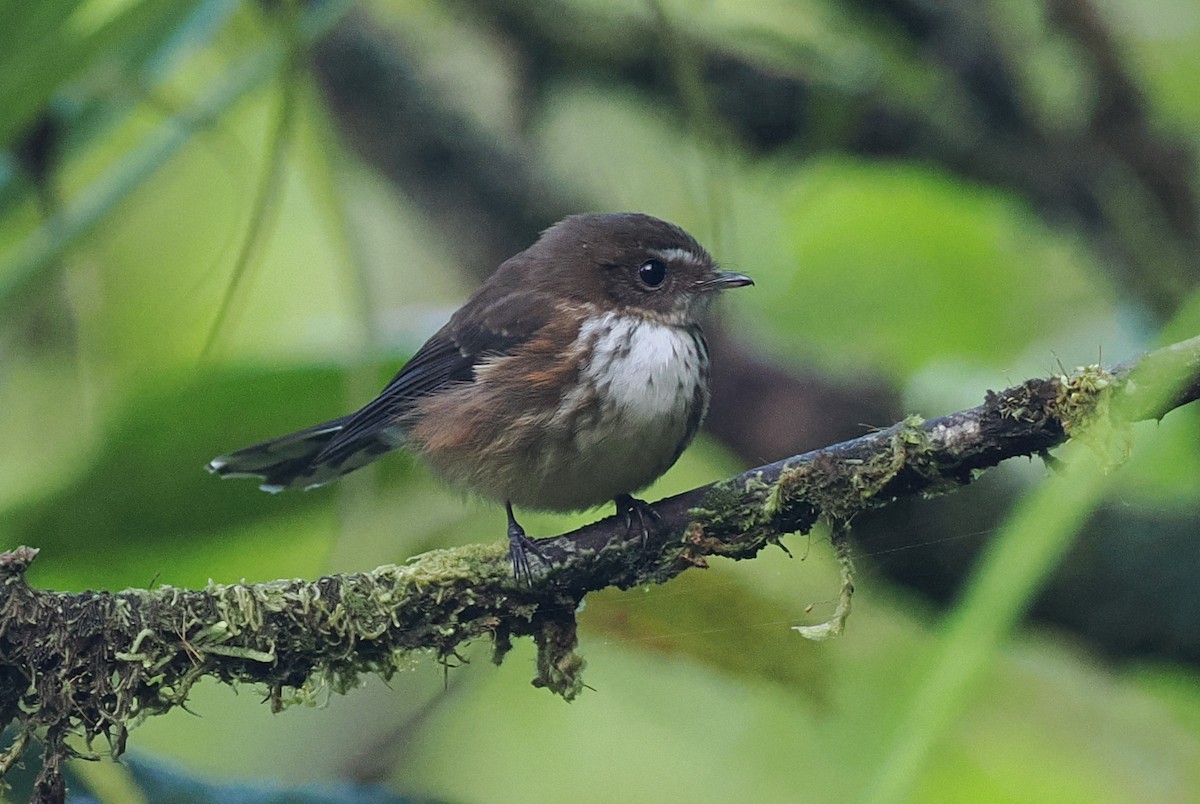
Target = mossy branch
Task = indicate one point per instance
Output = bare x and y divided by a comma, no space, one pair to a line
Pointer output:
90,664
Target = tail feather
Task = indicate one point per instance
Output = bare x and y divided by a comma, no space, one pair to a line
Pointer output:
292,460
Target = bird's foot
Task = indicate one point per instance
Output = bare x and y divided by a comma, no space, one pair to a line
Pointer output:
519,548
640,517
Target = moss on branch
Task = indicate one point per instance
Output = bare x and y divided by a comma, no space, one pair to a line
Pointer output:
93,663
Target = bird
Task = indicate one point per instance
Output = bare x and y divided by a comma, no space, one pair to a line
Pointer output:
576,374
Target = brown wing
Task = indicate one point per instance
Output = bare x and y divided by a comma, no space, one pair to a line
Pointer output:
490,324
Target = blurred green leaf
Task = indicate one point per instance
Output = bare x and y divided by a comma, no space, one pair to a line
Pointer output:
50,43
146,488
716,622
157,780
162,781
23,265
902,266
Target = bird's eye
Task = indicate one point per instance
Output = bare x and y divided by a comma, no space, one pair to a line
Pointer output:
652,273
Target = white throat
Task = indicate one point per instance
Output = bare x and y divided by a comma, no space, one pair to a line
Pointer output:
645,369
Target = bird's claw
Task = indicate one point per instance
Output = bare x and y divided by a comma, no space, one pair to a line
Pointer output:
639,512
519,548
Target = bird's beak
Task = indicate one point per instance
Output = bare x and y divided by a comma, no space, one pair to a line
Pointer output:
723,280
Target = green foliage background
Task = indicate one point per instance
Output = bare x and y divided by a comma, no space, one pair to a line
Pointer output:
191,135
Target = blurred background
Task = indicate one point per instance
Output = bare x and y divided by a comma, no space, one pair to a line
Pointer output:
221,221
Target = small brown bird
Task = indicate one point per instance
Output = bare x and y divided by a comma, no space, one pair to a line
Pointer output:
575,375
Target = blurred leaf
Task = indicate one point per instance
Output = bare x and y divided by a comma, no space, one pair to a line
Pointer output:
902,265
156,780
1010,573
717,622
27,261
22,265
671,728
1164,468
50,42
163,781
147,489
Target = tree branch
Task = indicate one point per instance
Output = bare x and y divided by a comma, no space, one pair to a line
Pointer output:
91,663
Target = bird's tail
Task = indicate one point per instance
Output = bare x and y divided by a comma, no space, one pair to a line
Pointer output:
297,459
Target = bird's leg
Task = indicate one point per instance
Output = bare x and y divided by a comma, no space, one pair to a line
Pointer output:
519,548
639,511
